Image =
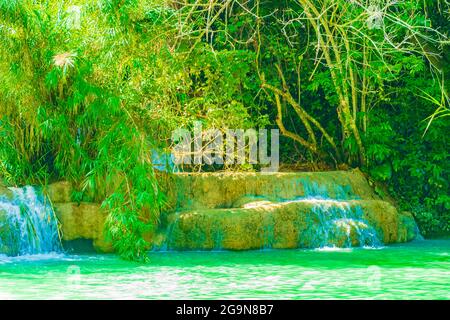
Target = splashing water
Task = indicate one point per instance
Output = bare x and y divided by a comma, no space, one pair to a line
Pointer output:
168,235
312,190
334,219
27,223
336,222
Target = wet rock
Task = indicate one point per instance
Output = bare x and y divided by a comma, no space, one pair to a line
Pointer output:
7,246
83,221
250,201
240,211
224,190
408,229
5,192
284,225
59,191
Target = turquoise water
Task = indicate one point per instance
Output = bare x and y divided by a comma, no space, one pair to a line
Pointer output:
418,270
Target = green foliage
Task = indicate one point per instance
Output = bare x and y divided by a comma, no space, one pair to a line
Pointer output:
71,110
414,165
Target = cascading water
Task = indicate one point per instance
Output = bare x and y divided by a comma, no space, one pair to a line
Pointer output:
27,223
164,246
336,222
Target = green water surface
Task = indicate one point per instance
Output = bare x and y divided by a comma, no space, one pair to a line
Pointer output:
417,270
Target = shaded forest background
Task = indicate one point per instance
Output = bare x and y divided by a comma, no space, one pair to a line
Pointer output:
90,88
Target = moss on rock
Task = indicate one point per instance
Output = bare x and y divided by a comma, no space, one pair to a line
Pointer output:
223,190
83,221
278,225
242,211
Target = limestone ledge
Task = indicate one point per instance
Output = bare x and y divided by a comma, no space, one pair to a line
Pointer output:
290,224
83,221
237,207
223,190
239,228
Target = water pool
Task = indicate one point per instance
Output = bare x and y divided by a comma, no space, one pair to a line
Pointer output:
417,270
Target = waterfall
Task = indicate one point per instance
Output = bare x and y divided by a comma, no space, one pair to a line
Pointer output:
335,222
165,245
27,223
279,211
